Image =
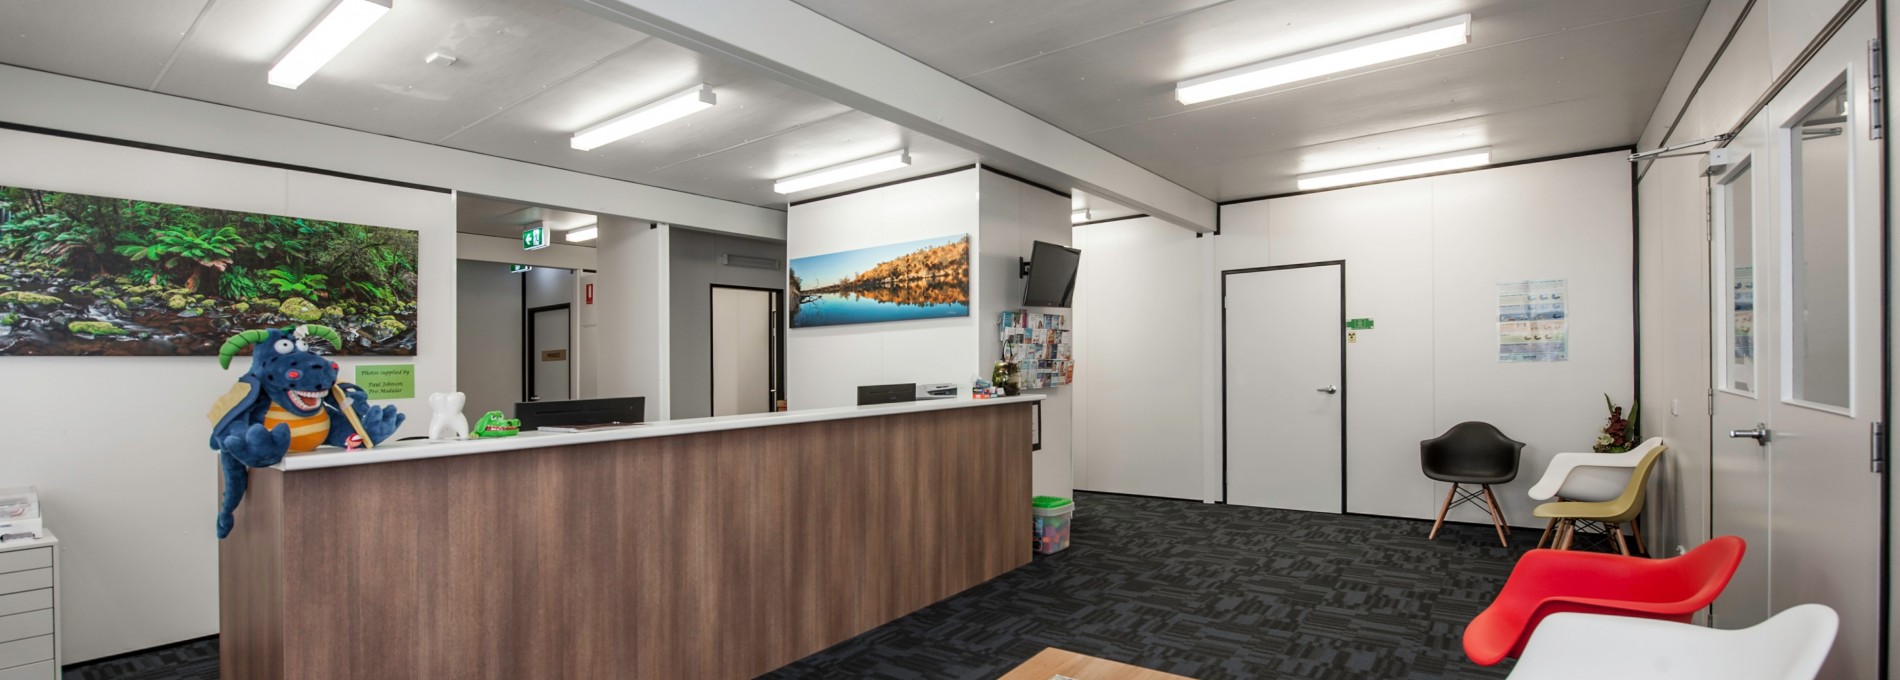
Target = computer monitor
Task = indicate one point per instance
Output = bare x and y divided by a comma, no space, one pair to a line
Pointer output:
539,414
886,394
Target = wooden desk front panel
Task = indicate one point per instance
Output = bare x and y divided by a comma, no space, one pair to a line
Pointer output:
716,555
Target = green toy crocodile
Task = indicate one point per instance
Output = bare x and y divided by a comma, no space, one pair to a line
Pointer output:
494,424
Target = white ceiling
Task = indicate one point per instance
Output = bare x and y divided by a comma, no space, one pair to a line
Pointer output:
529,73
1539,78
506,219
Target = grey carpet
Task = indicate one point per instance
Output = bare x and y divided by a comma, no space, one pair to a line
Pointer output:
1206,591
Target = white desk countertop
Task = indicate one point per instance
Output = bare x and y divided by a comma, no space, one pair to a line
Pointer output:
419,449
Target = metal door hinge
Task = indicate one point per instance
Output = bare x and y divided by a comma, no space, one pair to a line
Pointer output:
1878,444
1876,90
1708,213
1711,401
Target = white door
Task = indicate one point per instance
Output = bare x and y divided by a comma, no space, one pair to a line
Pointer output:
742,350
1285,388
1739,484
1817,372
548,355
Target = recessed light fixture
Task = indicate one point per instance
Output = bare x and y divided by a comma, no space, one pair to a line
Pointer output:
583,234
341,24
666,110
1426,165
1079,216
848,171
1353,54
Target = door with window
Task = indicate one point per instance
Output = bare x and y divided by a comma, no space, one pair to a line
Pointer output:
1283,354
1798,376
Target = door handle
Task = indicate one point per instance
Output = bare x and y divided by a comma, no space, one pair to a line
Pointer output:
1760,434
1330,389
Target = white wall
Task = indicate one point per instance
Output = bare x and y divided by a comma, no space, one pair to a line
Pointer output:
1014,216
135,502
825,365
1139,382
630,296
1423,260
488,337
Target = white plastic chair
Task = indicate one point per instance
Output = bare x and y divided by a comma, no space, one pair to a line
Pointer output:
1790,646
1590,477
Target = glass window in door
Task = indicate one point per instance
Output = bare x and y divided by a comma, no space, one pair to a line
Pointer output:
1736,206
1817,300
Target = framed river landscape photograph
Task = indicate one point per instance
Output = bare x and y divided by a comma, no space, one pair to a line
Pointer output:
88,275
927,279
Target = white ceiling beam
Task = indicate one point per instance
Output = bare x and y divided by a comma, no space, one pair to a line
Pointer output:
806,50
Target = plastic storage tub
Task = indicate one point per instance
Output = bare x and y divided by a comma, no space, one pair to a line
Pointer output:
1054,515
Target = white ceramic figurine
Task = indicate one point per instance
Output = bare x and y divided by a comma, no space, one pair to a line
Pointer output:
448,424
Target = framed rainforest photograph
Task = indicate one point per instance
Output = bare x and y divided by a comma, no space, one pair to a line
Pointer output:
85,275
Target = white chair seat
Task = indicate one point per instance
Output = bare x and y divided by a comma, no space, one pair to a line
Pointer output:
1790,646
1590,477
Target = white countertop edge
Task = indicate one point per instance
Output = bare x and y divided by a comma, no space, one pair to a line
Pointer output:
46,540
419,449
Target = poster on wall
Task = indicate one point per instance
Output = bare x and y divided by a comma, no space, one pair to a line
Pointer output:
88,275
1533,323
926,279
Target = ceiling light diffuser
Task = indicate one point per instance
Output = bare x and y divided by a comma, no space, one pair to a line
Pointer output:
1345,56
341,24
582,235
1456,160
1079,216
671,108
840,173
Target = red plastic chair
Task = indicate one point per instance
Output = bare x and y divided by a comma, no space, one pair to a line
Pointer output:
1546,582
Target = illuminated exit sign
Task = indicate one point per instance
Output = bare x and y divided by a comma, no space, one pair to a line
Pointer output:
535,237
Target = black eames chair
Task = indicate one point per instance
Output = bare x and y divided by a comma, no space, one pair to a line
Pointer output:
1471,453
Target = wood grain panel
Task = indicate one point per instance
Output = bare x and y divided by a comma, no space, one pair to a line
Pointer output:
714,555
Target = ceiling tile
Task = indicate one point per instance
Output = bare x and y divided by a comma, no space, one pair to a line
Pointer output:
506,50
750,108
113,41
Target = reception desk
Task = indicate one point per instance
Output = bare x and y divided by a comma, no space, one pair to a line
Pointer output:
706,548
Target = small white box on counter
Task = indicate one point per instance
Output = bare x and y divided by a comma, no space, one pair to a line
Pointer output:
20,512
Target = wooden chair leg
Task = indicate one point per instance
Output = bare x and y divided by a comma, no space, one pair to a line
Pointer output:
1566,533
1636,529
1547,530
1621,547
1497,515
1441,513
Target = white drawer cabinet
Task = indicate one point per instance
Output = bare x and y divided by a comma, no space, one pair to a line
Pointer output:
29,609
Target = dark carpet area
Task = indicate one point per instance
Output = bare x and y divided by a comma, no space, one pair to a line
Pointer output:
1206,591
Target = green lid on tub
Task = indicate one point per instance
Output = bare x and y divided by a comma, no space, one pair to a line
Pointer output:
1051,502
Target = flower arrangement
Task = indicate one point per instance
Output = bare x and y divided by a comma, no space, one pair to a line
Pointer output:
1619,433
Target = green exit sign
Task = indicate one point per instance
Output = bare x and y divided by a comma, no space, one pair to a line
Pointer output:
519,269
535,237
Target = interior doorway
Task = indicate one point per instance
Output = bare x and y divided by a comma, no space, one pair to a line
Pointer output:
1797,293
1283,356
548,360
745,350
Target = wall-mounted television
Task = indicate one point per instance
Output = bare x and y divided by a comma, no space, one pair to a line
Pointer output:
1051,273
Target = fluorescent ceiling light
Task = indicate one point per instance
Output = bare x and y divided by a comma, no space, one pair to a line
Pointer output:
1344,56
1079,216
671,108
848,171
1409,167
340,26
583,234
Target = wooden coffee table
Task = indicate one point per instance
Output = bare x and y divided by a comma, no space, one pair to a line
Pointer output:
1052,662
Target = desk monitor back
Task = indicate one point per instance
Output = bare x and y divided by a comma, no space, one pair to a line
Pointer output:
539,414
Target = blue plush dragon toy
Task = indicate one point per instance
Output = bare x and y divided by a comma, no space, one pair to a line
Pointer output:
288,401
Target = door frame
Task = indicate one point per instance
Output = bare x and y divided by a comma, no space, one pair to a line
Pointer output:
528,358
1344,391
776,356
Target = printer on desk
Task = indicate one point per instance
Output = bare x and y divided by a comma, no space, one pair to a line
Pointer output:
936,391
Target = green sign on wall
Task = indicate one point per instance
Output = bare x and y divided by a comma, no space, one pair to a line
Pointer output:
535,237
1359,324
388,381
